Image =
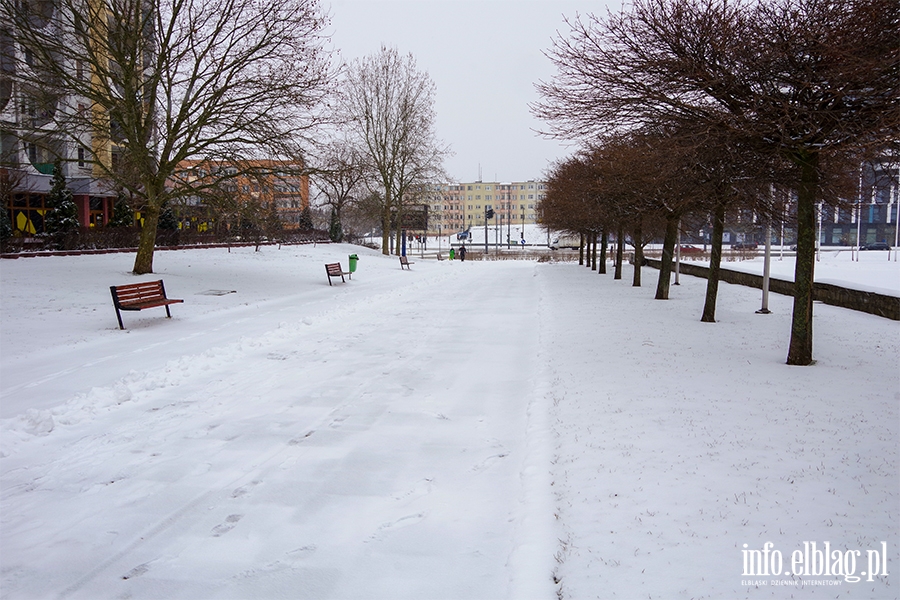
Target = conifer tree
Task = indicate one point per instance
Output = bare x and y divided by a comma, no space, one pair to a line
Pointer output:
167,219
5,226
123,215
306,222
335,230
62,214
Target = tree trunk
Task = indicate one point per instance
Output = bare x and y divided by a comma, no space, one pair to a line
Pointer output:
386,231
715,263
665,264
800,351
143,261
604,240
593,250
638,253
620,251
581,249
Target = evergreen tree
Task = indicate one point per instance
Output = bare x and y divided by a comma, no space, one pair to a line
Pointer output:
5,225
272,222
62,216
306,222
123,215
335,230
167,219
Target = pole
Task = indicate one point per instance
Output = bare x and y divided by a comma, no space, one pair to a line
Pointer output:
764,310
678,254
819,232
896,190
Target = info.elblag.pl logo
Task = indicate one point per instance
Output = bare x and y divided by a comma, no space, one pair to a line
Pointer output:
814,561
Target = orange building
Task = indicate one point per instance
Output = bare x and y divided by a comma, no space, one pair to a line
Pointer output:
259,182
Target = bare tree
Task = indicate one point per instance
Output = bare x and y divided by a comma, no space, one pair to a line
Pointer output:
162,81
388,107
792,78
340,176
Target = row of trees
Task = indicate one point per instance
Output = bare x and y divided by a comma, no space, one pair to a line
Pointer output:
136,88
688,107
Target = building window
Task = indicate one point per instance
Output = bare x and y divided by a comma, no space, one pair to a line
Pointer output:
81,157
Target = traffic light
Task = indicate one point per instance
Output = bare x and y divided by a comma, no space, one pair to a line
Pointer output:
489,213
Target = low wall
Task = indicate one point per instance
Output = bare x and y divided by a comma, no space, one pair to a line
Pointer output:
35,253
868,302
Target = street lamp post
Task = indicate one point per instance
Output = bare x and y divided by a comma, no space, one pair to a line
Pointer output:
764,310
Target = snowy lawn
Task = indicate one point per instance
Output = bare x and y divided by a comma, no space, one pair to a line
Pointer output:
462,430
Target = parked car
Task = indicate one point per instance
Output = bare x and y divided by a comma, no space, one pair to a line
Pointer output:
688,249
875,246
743,246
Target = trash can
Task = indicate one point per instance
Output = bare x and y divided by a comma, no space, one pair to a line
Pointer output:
353,259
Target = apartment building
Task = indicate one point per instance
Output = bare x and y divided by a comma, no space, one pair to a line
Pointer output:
456,207
260,182
30,142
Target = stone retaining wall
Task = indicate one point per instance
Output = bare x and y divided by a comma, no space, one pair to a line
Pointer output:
869,302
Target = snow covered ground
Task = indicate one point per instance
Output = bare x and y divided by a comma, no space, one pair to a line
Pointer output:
501,429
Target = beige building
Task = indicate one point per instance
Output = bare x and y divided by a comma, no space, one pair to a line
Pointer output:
458,206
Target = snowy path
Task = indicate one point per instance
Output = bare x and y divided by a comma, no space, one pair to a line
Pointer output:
317,467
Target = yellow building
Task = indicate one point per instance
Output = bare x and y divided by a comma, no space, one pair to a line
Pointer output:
458,206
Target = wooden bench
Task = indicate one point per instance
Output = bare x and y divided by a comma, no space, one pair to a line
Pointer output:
404,262
334,270
138,296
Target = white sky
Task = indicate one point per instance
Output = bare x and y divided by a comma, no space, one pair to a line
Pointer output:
484,57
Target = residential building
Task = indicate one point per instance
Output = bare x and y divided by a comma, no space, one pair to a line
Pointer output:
31,140
260,182
456,207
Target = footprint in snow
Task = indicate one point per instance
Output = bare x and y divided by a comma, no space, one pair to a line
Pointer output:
298,440
421,488
244,489
137,571
230,522
386,528
489,461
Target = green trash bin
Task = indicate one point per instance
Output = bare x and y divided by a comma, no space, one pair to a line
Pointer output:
353,259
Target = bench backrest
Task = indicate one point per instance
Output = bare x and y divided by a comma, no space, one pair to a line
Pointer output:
138,292
404,260
334,269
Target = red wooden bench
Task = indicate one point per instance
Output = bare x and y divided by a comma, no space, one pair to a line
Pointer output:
334,270
404,262
138,296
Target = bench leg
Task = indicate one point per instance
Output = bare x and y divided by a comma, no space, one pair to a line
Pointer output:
168,314
119,317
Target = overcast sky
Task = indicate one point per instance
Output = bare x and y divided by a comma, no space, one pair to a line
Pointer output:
484,56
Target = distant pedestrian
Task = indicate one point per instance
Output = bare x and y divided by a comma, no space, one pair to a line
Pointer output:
452,253
462,253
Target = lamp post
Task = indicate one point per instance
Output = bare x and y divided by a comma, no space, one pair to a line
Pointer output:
678,255
764,310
